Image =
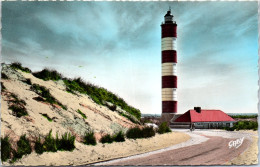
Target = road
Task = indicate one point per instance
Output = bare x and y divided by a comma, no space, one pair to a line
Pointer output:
206,147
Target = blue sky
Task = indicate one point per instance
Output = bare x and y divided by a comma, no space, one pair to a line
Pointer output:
117,45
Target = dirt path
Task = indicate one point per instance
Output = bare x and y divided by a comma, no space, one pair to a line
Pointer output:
214,151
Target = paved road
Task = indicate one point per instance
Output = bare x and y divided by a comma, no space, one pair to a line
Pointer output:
206,147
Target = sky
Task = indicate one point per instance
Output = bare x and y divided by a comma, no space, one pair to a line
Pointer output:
117,45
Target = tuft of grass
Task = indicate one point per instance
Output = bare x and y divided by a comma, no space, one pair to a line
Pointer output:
18,66
107,139
38,146
66,143
82,114
163,128
136,132
4,76
47,74
3,88
5,149
45,93
49,144
17,106
89,138
28,81
47,117
119,137
24,147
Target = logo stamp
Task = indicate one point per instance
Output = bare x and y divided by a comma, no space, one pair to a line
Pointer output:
236,143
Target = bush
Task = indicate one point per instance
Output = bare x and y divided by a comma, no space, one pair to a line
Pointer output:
18,66
136,132
107,139
89,138
119,137
244,116
47,74
4,76
24,147
164,128
5,149
38,146
82,114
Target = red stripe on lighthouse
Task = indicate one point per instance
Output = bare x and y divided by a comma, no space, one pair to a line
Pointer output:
169,106
169,56
169,81
169,30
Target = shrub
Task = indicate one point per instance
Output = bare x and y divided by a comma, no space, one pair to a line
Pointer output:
18,66
164,128
24,147
4,76
148,132
5,149
107,139
244,116
47,74
113,107
134,133
119,137
82,114
89,138
38,146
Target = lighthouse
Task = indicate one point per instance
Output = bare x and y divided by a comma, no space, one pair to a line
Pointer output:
169,67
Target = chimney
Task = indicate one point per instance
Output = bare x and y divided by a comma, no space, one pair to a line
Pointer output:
197,109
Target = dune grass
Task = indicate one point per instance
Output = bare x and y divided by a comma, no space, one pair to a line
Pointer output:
89,138
47,117
45,93
82,114
18,66
136,132
5,149
47,74
17,106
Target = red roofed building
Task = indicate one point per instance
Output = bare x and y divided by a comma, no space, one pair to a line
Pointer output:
204,119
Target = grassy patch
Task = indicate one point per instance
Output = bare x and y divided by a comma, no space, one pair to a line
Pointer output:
99,95
47,74
47,117
82,114
163,128
4,76
45,93
119,137
18,66
5,149
38,146
66,143
89,138
136,132
17,106
106,139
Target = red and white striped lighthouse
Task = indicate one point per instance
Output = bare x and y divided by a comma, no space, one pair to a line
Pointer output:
169,63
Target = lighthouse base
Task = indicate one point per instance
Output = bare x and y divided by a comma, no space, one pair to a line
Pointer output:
167,117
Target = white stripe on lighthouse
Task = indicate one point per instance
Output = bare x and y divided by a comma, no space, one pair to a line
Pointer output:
169,69
169,94
169,43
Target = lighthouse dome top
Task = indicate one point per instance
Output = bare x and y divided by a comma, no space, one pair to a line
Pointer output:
168,18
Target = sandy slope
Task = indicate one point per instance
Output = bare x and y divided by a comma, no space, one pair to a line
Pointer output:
99,118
